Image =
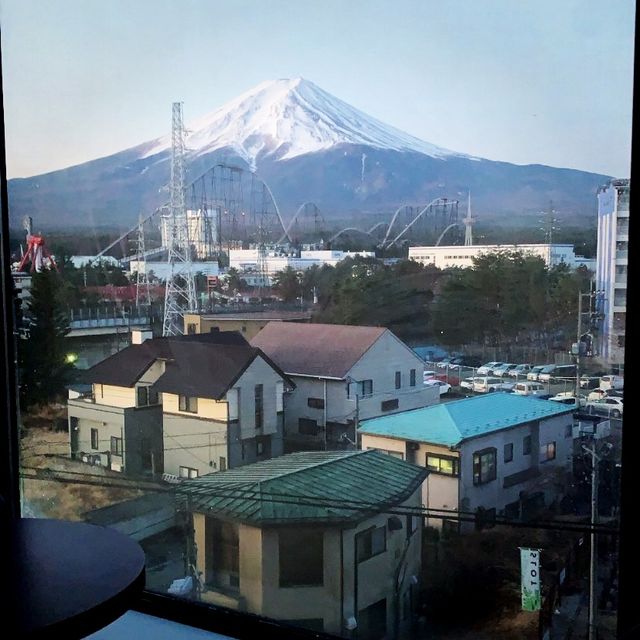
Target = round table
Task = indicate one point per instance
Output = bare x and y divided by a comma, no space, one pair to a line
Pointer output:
67,579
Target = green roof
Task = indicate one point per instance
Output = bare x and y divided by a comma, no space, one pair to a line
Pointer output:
449,423
311,486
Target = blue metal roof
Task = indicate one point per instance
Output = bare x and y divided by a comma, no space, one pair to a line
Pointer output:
452,422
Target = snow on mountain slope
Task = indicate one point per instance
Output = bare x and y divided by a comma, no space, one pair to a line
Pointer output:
289,118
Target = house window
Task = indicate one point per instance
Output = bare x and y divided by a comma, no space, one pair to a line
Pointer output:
143,396
307,427
94,438
191,328
484,466
187,472
508,452
223,545
568,431
398,379
446,465
315,403
526,446
259,405
365,387
388,405
412,378
301,557
116,446
188,403
259,448
222,464
371,543
548,451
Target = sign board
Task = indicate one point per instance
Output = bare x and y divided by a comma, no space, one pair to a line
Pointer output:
530,579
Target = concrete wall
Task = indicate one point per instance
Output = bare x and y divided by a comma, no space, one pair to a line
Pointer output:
208,408
113,396
494,494
439,491
193,442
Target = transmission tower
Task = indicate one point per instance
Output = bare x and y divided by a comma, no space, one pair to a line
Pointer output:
143,295
180,291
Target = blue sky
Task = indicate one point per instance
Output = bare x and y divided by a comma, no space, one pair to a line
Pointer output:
544,81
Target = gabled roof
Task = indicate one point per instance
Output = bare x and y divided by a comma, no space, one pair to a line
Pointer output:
202,365
450,423
325,350
312,486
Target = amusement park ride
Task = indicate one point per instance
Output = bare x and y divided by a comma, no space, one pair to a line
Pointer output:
37,253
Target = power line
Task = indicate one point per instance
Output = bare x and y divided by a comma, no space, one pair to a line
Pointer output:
284,498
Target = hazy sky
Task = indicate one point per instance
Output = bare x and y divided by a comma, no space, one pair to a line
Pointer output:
537,81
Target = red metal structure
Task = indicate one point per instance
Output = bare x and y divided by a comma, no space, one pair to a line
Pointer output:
37,253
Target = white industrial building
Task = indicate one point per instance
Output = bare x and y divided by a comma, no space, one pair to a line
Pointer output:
611,270
202,228
247,259
160,269
462,255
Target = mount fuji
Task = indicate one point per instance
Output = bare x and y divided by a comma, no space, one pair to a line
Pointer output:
308,146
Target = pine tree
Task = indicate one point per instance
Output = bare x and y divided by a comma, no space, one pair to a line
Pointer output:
44,367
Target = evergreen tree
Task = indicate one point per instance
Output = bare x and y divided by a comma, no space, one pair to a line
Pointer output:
44,366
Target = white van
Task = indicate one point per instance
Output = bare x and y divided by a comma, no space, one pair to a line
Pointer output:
612,382
484,384
557,372
529,388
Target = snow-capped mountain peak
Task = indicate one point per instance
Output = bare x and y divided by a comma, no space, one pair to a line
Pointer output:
288,118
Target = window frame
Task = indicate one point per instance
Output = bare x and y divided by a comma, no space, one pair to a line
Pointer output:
116,447
390,405
258,405
507,447
315,403
477,457
398,379
412,377
362,535
190,404
95,432
526,445
456,465
551,446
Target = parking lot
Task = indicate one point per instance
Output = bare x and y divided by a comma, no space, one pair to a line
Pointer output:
454,374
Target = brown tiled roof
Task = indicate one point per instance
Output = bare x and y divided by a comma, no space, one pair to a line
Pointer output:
327,350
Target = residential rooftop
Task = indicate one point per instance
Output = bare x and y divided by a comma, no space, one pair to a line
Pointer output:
328,487
451,423
273,316
323,350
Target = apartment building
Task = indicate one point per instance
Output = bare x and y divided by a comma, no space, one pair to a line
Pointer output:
343,375
288,546
182,406
506,453
611,268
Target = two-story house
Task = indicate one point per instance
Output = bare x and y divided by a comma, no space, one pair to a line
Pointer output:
183,406
326,540
343,375
506,453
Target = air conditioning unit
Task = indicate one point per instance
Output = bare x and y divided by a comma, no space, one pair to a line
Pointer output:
116,466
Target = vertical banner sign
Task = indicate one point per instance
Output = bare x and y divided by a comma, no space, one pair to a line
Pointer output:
530,579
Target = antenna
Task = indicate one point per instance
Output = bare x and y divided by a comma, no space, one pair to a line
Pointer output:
180,292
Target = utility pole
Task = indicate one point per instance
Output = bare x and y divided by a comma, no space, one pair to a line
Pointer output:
595,459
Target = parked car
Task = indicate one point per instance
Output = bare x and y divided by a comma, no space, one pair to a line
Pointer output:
445,387
486,369
520,371
428,375
484,384
557,372
444,363
611,407
612,382
503,369
535,371
543,396
590,380
529,388
600,394
569,398
467,383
